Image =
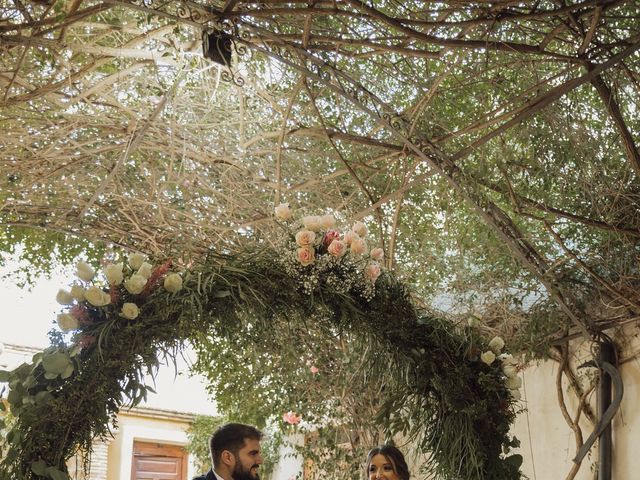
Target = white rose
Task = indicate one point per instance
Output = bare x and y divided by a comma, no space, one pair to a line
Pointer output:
507,359
513,383
64,298
360,228
283,212
145,270
496,344
312,223
488,357
97,297
77,292
114,274
173,283
510,370
377,254
130,311
327,221
358,246
515,394
84,271
136,260
135,284
304,238
67,322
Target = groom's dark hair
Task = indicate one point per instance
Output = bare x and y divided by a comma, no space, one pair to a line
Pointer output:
231,436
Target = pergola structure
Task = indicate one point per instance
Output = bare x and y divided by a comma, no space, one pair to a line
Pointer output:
493,143
116,128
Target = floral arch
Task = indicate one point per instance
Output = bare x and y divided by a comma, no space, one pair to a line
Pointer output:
449,383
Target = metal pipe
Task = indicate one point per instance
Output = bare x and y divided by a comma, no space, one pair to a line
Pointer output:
607,354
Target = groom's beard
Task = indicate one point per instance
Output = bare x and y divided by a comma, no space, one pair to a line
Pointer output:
239,473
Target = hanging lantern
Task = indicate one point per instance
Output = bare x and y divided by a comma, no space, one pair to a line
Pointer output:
216,46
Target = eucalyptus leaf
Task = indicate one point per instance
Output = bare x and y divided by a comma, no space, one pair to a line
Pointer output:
39,467
68,371
55,363
55,474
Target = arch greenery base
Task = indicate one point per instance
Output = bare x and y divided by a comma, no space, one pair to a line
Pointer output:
457,405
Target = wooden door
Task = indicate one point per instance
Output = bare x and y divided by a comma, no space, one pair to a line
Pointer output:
155,461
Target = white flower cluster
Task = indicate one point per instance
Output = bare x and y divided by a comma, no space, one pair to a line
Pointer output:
323,254
87,294
509,365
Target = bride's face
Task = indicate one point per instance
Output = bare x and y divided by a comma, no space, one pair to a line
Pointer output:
381,468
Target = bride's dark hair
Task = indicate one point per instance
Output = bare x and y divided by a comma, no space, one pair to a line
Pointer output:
394,456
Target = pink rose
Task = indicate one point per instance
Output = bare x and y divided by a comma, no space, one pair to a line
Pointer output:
337,248
304,238
350,236
306,256
291,418
372,272
314,369
330,236
358,246
377,254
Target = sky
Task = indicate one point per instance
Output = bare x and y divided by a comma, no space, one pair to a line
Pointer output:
28,314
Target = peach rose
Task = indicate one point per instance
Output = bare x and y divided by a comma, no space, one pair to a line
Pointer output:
337,248
304,238
350,236
358,246
360,228
377,254
291,418
372,272
306,256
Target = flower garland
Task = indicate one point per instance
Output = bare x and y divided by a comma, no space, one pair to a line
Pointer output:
317,252
92,301
116,326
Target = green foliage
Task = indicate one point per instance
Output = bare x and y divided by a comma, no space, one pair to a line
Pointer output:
412,368
198,436
38,251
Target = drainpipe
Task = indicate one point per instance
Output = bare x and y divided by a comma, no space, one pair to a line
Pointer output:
606,356
607,408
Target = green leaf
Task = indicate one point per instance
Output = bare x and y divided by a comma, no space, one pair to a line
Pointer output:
39,467
29,382
56,474
43,397
4,375
515,460
55,363
68,371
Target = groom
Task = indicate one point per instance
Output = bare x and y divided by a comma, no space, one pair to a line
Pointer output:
235,453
